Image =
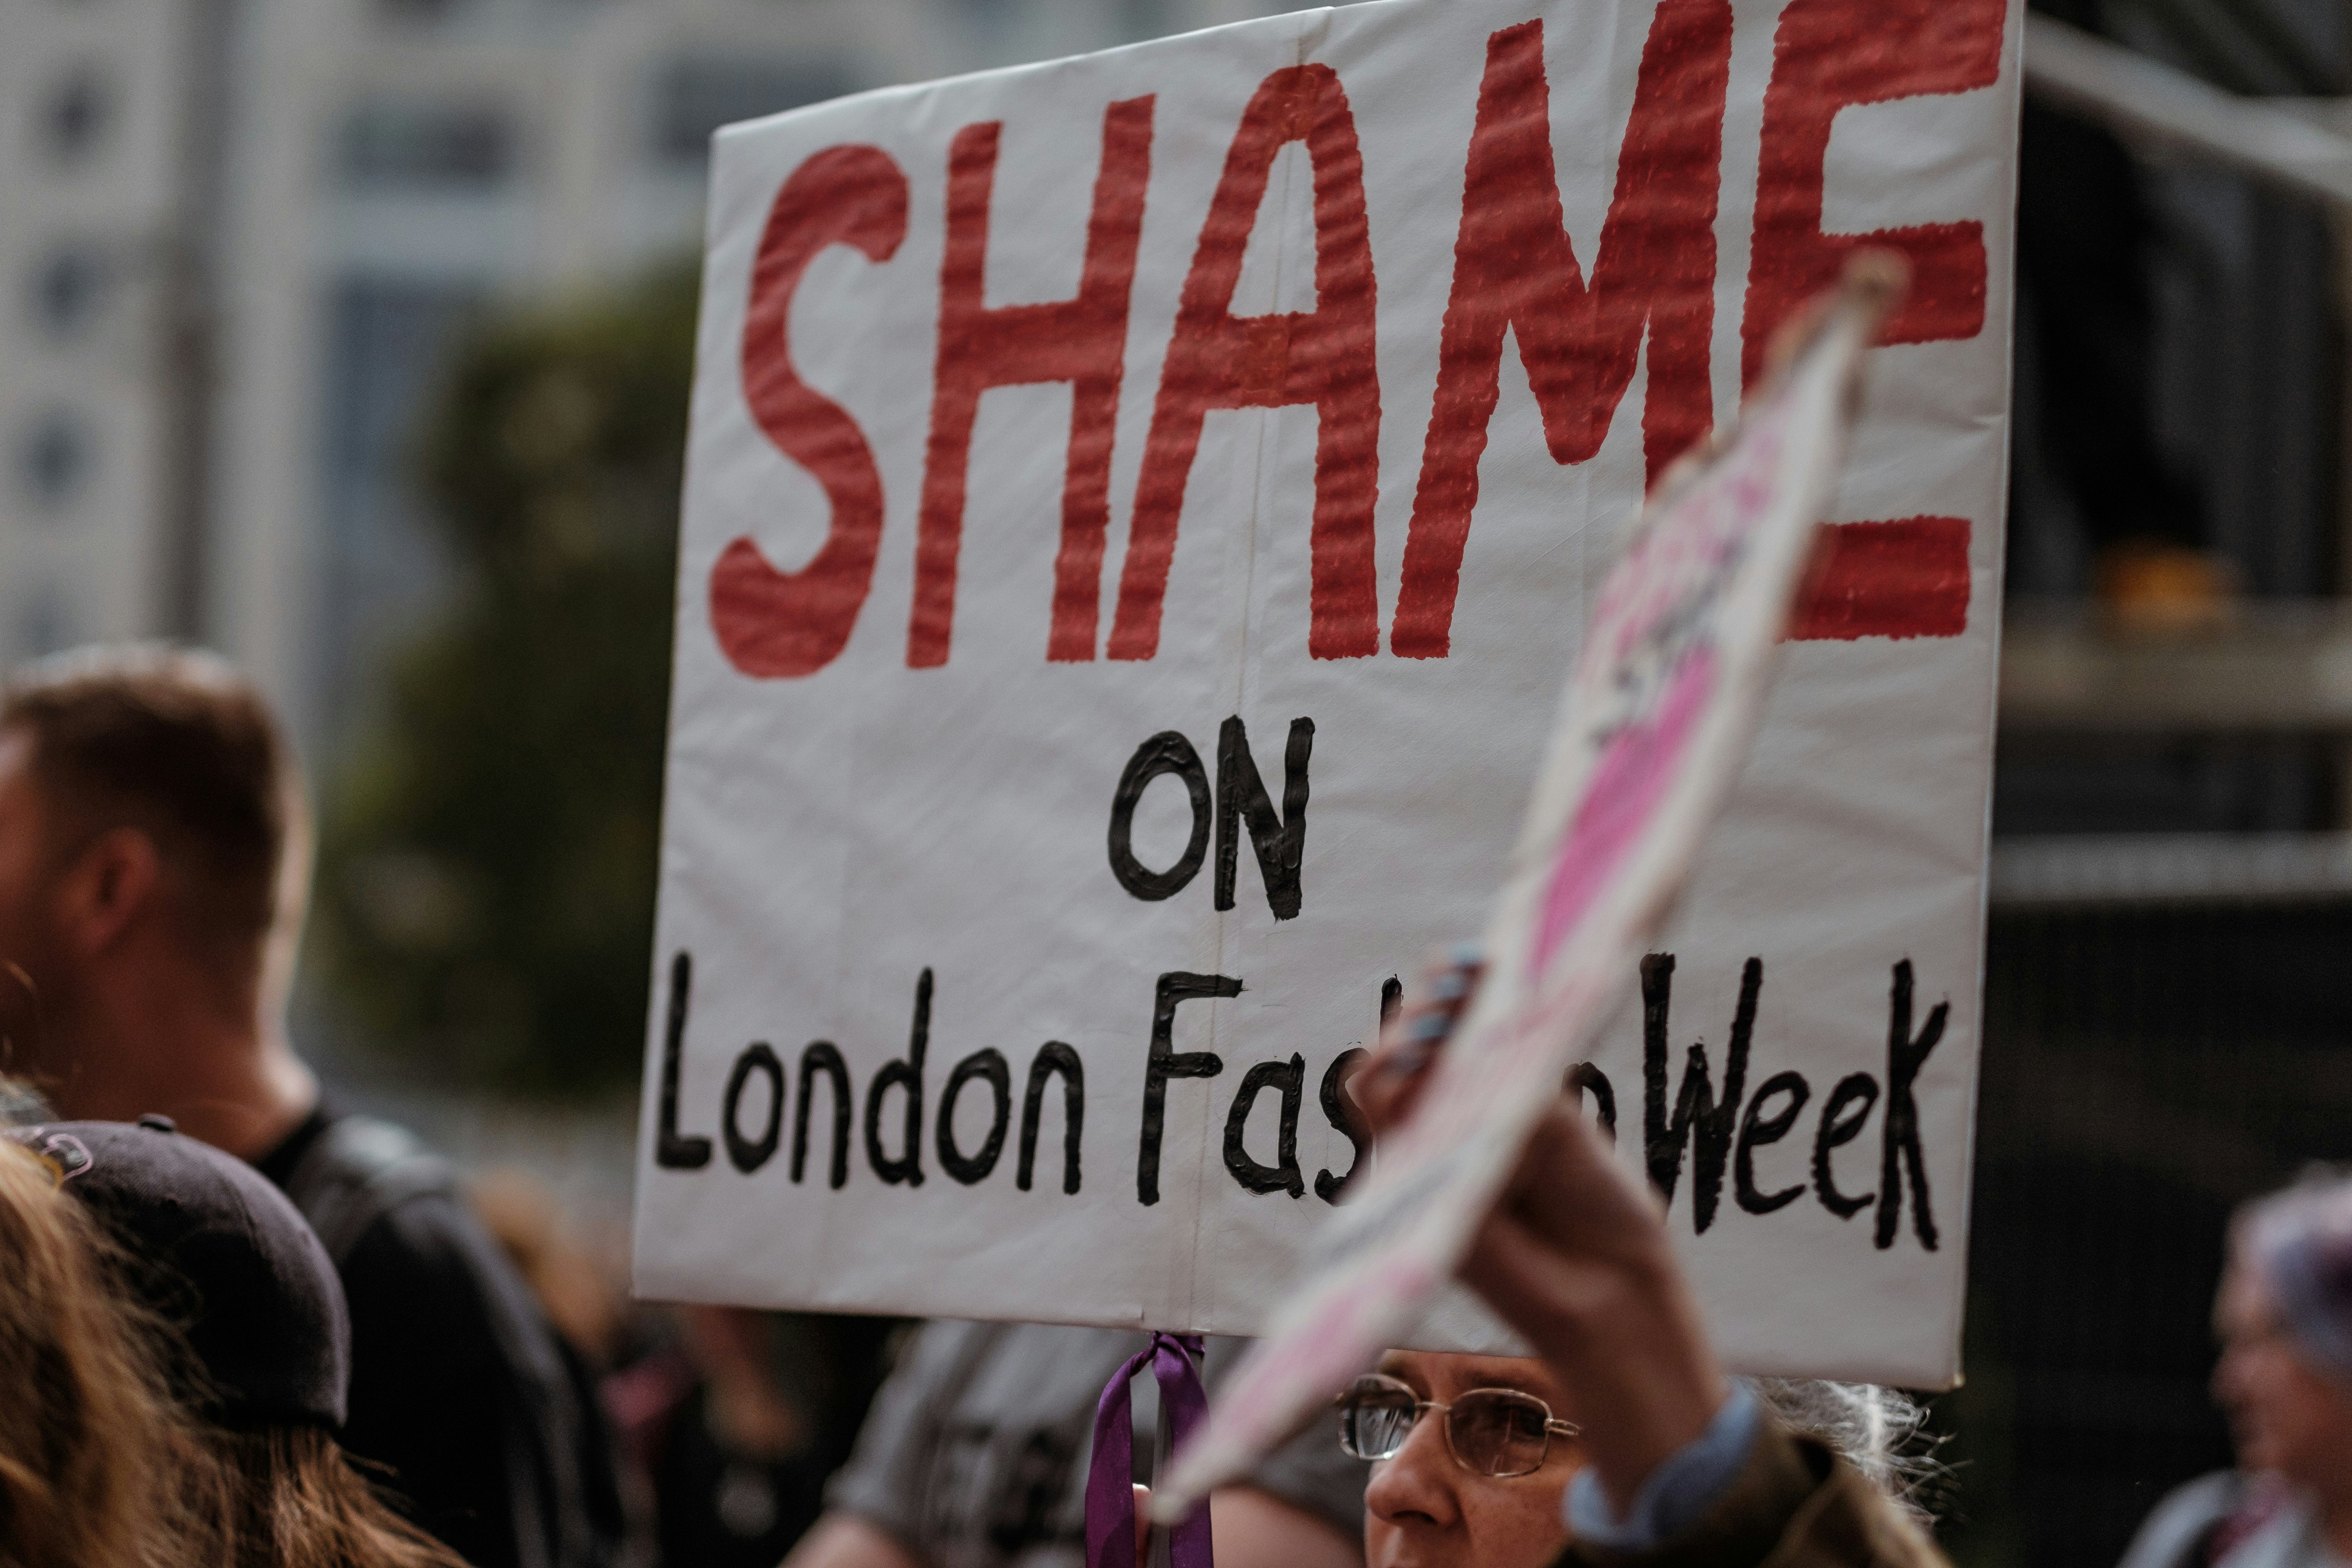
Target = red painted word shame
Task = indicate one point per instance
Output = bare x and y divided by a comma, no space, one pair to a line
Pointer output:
1580,326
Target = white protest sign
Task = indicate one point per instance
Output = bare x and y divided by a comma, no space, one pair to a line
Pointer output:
1140,512
1656,720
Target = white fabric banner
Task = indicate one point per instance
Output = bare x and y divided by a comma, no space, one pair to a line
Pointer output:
1140,513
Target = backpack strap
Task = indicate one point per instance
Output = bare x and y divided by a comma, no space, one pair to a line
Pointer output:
359,1170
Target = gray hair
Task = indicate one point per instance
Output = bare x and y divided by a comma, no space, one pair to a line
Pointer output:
1879,1431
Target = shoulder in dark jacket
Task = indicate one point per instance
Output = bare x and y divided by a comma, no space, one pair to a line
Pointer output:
1795,1505
459,1388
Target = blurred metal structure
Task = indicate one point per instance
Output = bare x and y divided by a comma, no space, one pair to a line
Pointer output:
2173,870
2281,143
2166,1006
2147,1067
2266,665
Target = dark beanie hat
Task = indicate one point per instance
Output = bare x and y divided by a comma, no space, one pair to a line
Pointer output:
218,1251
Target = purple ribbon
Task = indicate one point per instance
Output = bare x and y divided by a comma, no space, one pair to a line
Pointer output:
1111,1478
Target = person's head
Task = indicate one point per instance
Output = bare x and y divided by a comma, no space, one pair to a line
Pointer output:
99,1466
202,1243
2285,1318
1481,1485
153,838
1476,1485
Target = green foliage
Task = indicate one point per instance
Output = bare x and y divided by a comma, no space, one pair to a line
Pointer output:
488,853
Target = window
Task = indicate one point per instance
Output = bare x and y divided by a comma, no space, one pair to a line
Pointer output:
407,142
383,567
694,98
75,115
54,458
71,290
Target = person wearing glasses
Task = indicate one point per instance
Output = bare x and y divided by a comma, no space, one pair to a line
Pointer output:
1621,1441
1470,1460
1456,1425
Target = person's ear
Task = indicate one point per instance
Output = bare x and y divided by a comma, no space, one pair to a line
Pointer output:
108,887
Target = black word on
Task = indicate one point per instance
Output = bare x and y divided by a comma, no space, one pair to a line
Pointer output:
1278,839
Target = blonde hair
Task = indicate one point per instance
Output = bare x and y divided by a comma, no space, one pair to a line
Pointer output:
99,1467
101,1463
294,1502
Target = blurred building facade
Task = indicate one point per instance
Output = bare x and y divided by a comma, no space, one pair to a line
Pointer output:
105,155
395,167
241,231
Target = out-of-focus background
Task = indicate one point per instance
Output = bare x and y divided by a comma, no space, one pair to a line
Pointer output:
352,337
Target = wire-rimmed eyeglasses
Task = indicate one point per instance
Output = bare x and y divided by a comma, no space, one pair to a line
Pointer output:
1496,1432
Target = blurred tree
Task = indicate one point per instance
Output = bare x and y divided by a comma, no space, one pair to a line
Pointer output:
487,863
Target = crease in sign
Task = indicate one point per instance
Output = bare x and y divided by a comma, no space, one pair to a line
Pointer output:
1328,357
1278,206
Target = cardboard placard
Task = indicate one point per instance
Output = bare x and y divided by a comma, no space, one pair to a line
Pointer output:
1139,510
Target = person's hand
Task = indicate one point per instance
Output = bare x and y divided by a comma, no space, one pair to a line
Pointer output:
1573,1258
1388,1082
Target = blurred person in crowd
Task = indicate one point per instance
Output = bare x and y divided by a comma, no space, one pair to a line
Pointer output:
1625,1417
588,1309
153,866
735,1425
100,1468
976,1452
583,1305
246,1324
730,1418
2285,1318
